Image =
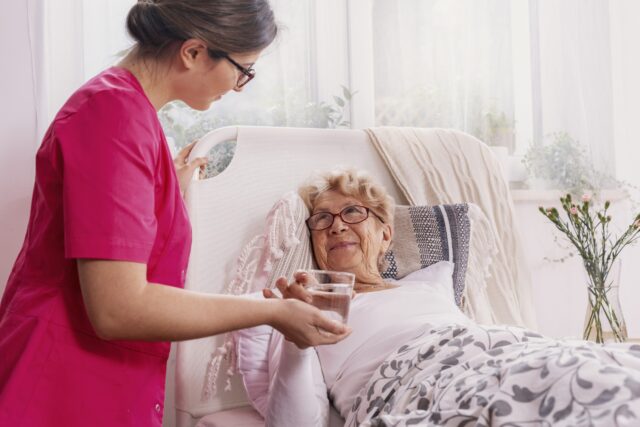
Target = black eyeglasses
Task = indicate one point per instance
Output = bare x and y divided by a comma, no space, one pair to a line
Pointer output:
247,74
351,215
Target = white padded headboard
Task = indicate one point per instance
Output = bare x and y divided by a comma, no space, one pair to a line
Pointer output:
226,211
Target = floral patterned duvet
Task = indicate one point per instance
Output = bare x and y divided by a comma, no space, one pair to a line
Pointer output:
501,376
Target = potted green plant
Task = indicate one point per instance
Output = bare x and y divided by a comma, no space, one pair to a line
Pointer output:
498,130
564,164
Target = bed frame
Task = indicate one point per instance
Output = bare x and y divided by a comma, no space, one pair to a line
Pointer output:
226,211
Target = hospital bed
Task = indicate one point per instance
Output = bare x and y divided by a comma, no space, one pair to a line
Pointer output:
226,211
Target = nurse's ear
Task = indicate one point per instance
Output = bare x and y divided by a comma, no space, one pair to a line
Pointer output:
192,53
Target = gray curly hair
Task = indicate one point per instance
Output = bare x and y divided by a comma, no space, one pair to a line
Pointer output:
350,182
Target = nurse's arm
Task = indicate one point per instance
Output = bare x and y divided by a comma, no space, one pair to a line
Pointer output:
122,305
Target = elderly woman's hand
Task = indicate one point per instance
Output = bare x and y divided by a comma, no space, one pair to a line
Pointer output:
295,289
184,170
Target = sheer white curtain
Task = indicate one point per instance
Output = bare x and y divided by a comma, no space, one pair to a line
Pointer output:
19,24
575,80
445,63
297,78
509,72
625,52
80,38
302,68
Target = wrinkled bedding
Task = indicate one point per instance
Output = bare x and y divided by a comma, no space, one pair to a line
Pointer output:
501,376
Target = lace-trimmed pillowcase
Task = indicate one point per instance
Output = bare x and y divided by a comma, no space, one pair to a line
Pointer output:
282,249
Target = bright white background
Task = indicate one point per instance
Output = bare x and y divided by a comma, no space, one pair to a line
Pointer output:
18,131
36,78
330,43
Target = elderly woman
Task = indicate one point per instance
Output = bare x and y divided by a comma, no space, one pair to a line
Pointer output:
351,225
414,358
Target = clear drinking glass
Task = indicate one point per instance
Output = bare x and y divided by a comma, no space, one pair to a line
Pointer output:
331,292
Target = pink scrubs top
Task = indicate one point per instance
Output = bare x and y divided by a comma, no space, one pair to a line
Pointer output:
105,188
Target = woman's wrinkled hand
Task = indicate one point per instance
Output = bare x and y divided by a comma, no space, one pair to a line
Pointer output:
184,168
295,289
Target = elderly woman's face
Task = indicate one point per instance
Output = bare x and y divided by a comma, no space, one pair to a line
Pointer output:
349,247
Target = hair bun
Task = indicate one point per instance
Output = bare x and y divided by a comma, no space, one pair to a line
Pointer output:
145,23
231,26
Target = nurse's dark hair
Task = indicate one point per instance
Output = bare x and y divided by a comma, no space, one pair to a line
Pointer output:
226,26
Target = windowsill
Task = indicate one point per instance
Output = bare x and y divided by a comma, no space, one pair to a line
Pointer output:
530,195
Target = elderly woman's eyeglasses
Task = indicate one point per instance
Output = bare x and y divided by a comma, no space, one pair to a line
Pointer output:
351,215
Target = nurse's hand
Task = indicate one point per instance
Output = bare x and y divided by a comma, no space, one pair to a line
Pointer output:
185,170
305,326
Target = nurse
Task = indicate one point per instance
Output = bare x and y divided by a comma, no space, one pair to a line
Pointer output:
95,297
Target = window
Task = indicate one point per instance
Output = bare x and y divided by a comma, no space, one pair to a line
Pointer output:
440,63
511,73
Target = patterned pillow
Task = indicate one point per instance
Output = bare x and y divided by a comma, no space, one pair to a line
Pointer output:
424,235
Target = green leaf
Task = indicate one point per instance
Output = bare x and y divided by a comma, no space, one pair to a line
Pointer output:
339,101
346,93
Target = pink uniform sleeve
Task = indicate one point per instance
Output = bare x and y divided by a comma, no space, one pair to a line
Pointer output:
109,155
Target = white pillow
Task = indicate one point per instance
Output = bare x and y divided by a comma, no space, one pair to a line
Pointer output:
439,275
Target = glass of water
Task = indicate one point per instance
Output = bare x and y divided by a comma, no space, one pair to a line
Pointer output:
331,292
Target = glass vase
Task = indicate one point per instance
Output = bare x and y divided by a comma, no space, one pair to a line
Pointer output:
604,321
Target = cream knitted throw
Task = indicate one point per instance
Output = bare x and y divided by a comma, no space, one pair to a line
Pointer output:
437,166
